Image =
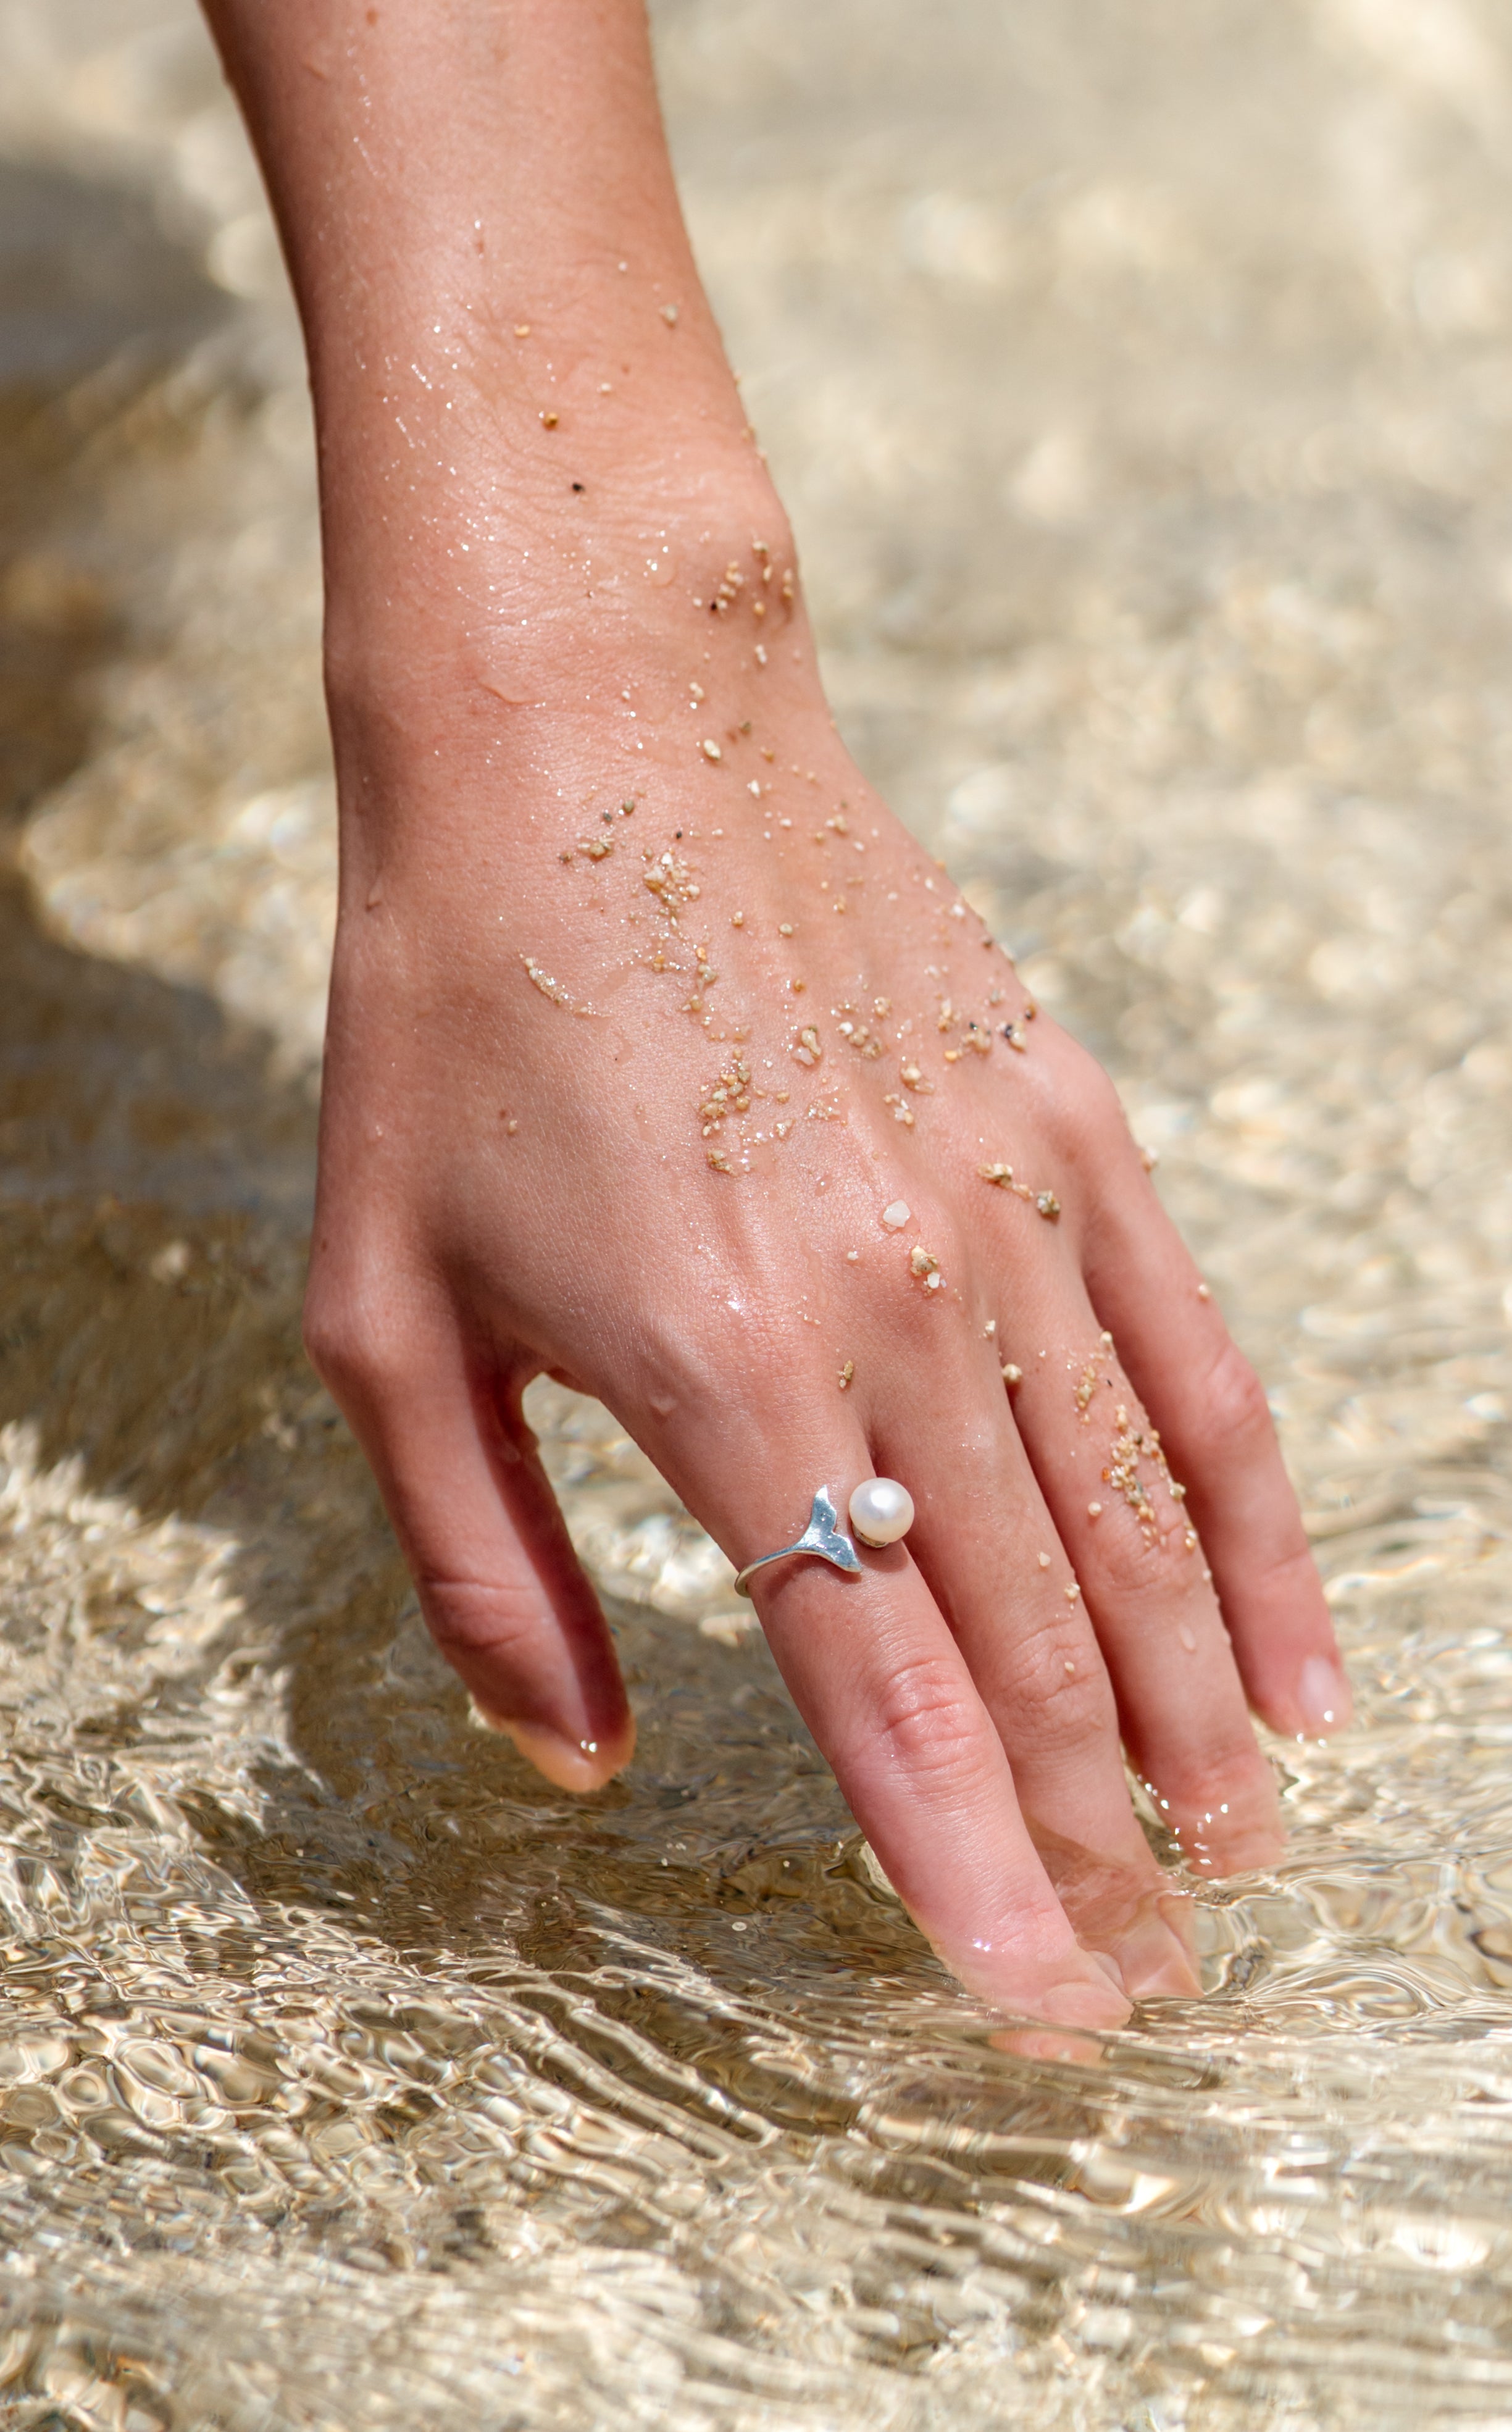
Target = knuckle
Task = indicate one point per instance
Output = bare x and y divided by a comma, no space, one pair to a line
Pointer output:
1236,1413
500,1618
1134,1563
1096,1108
1065,1711
1289,1579
352,1349
1078,1109
933,1228
327,1337
925,1718
685,1368
933,1264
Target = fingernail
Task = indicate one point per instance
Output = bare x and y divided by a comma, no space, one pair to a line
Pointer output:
1323,1697
571,1765
1090,2001
1047,2043
1157,1964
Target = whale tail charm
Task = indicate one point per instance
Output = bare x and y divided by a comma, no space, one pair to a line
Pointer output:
820,1537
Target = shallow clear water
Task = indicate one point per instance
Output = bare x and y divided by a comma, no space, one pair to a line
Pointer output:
1140,380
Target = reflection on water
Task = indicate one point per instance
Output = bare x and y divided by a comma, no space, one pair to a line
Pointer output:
1139,380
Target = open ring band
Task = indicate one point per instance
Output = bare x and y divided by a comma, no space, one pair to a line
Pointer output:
880,1512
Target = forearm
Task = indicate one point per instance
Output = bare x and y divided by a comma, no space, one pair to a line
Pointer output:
531,448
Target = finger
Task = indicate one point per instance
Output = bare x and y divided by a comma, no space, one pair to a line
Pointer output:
1139,1567
500,1587
884,1689
1217,1427
990,1553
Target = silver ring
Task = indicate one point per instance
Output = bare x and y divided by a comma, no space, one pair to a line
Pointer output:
820,1537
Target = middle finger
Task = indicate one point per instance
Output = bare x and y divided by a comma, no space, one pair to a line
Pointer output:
1123,1521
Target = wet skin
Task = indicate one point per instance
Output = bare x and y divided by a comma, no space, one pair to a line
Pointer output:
644,1010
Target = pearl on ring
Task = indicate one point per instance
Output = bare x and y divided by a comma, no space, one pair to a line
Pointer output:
881,1511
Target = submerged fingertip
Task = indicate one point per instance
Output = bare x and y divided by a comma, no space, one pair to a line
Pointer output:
1049,2043
1076,1987
1323,1697
570,1764
1167,1971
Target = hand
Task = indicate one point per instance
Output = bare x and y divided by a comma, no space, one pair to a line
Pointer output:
660,1059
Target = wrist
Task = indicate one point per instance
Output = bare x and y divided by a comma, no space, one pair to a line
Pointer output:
515,562
595,646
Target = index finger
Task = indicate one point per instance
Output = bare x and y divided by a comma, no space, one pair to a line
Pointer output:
880,1682
879,1679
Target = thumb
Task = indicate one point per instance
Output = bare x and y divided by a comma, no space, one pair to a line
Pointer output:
504,1594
